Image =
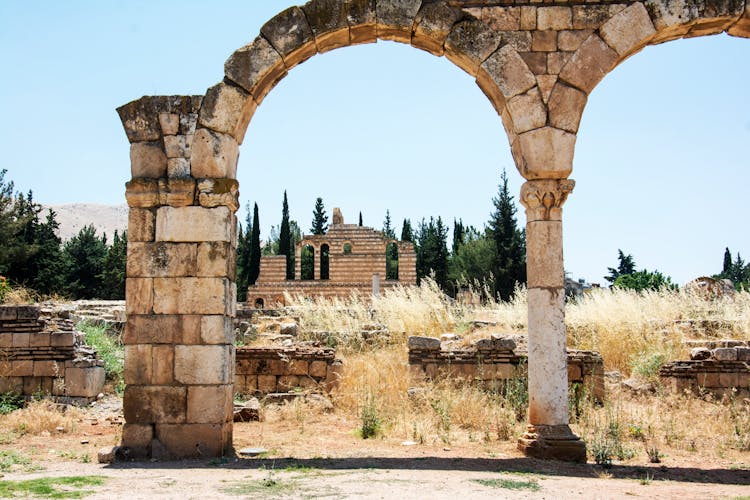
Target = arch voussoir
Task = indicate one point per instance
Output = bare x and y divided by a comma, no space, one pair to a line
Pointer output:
432,25
291,36
741,28
469,43
688,18
629,30
227,108
329,24
588,65
256,67
362,18
395,19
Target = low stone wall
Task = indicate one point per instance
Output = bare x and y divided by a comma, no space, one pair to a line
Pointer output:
264,370
45,355
721,367
493,361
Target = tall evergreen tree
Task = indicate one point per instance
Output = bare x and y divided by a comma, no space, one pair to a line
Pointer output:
243,255
112,277
254,264
360,219
388,231
50,261
285,242
458,235
320,219
727,267
406,231
432,251
509,267
625,266
84,255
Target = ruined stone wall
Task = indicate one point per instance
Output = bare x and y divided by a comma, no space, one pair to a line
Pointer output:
264,370
273,269
491,362
45,356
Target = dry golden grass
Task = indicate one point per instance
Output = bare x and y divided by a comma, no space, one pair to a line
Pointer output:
38,417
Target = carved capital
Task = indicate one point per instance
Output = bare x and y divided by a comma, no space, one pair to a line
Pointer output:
544,198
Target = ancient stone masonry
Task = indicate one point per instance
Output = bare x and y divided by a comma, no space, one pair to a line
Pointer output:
720,367
353,254
491,362
536,61
47,356
264,370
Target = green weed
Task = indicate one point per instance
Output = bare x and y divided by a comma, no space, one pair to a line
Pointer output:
109,348
509,484
9,458
371,423
50,487
10,401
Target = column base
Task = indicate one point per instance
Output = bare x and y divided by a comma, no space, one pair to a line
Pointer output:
552,442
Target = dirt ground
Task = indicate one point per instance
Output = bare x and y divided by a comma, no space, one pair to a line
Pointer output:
319,455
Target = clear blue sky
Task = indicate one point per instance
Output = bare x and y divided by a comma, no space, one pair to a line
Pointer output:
662,164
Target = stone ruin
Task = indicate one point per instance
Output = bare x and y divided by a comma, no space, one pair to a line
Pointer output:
720,367
345,259
491,362
46,355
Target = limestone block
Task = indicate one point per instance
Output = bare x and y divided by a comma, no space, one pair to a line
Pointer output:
147,159
593,16
193,224
566,106
424,343
708,379
547,153
21,368
537,61
141,225
154,403
227,109
140,119
546,83
188,122
589,64
202,364
214,155
362,18
554,18
328,22
432,25
36,385
725,354
743,353
191,295
162,370
519,40
170,123
502,18
219,192
556,61
39,339
298,367
504,75
160,259
395,19
318,369
137,437
256,67
728,379
176,192
61,339
528,18
742,27
628,31
21,340
194,440
47,368
288,382
216,259
217,330
84,382
570,40
177,146
208,404
528,111
138,365
544,41
142,192
291,36
8,313
139,295
470,43
266,383
11,384
178,167
675,18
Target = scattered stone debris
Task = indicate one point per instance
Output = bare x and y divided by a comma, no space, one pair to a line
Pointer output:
248,411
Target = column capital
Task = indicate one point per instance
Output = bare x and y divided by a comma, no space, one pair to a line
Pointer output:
544,198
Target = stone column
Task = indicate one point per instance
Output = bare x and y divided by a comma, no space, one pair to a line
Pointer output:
316,263
548,434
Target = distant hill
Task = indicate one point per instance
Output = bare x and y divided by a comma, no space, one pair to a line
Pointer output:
105,218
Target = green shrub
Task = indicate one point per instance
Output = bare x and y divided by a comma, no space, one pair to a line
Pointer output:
109,348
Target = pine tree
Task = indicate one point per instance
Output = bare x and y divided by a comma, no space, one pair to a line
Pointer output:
243,256
112,277
320,219
360,219
387,227
509,266
254,264
285,243
406,231
84,255
625,266
432,251
458,235
49,278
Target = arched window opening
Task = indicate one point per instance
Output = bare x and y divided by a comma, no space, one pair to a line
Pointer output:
307,263
324,261
259,303
391,261
347,248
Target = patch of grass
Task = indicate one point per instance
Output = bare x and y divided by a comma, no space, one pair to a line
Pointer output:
50,487
509,484
109,347
9,458
269,486
371,423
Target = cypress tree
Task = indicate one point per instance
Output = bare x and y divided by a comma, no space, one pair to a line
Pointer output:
458,235
726,269
113,274
509,267
360,219
320,219
285,242
243,256
387,227
254,264
406,231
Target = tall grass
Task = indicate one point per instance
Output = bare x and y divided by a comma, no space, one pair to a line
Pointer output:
109,348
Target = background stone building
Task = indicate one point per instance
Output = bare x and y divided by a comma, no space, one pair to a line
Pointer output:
345,259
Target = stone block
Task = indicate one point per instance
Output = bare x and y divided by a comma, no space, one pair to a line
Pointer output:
227,109
708,380
142,193
39,339
21,340
191,295
554,18
629,30
743,379
6,340
214,155
547,153
742,27
137,437
47,368
209,404
256,67
298,367
566,106
318,369
161,259
177,146
27,312
8,313
432,25
536,61
528,18
178,168
725,354
219,192
328,22
290,34
519,40
528,111
216,259
61,339
674,18
593,16
138,365
176,192
139,295
743,353
728,379
217,330
504,75
570,40
170,123
141,225
395,19
162,370
202,364
266,383
10,384
574,373
193,224
84,382
470,43
37,385
362,19
424,343
156,329
589,64
544,41
287,382
194,440
147,159
502,18
154,404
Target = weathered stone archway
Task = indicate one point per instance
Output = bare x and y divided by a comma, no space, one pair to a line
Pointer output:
536,63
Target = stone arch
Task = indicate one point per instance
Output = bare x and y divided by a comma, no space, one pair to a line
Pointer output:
325,261
307,263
